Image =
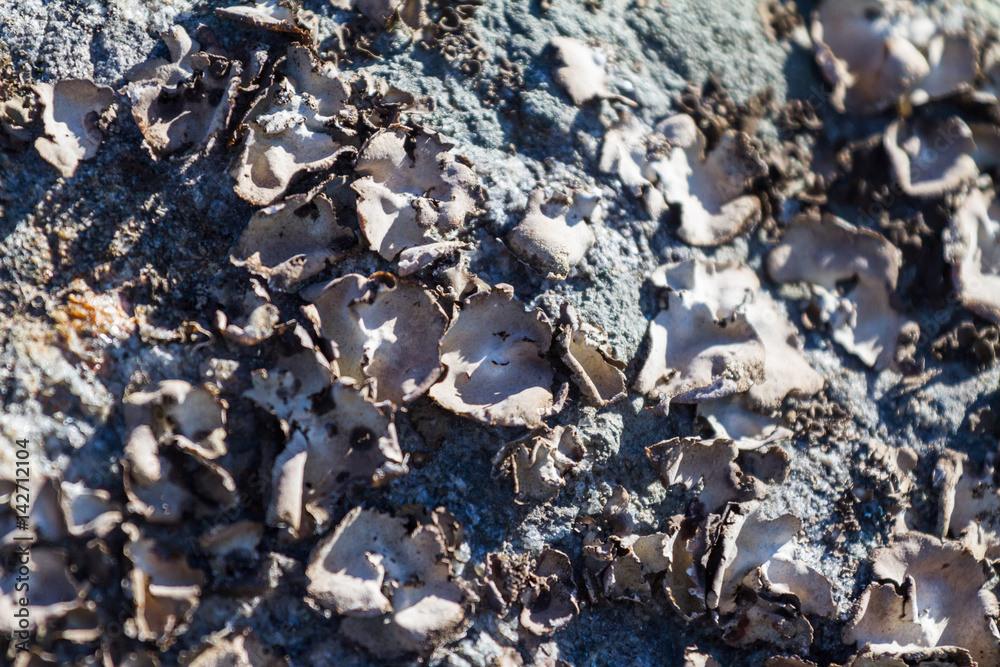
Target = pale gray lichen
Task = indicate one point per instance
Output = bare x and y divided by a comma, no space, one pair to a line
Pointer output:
972,247
407,200
181,105
291,241
494,352
287,131
71,114
396,586
926,594
384,330
822,252
555,235
875,52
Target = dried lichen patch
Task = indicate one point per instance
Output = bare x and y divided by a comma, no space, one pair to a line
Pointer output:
825,251
625,153
55,595
494,352
191,420
929,159
581,72
288,130
229,648
926,594
709,187
72,110
554,235
183,103
277,15
540,462
16,116
292,241
972,247
876,51
701,345
968,504
396,586
409,198
337,439
165,589
713,464
737,565
585,349
384,329
544,587
729,290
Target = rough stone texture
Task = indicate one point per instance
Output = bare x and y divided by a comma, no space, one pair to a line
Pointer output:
159,234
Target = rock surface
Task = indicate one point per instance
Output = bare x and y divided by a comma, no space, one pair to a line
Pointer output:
110,281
